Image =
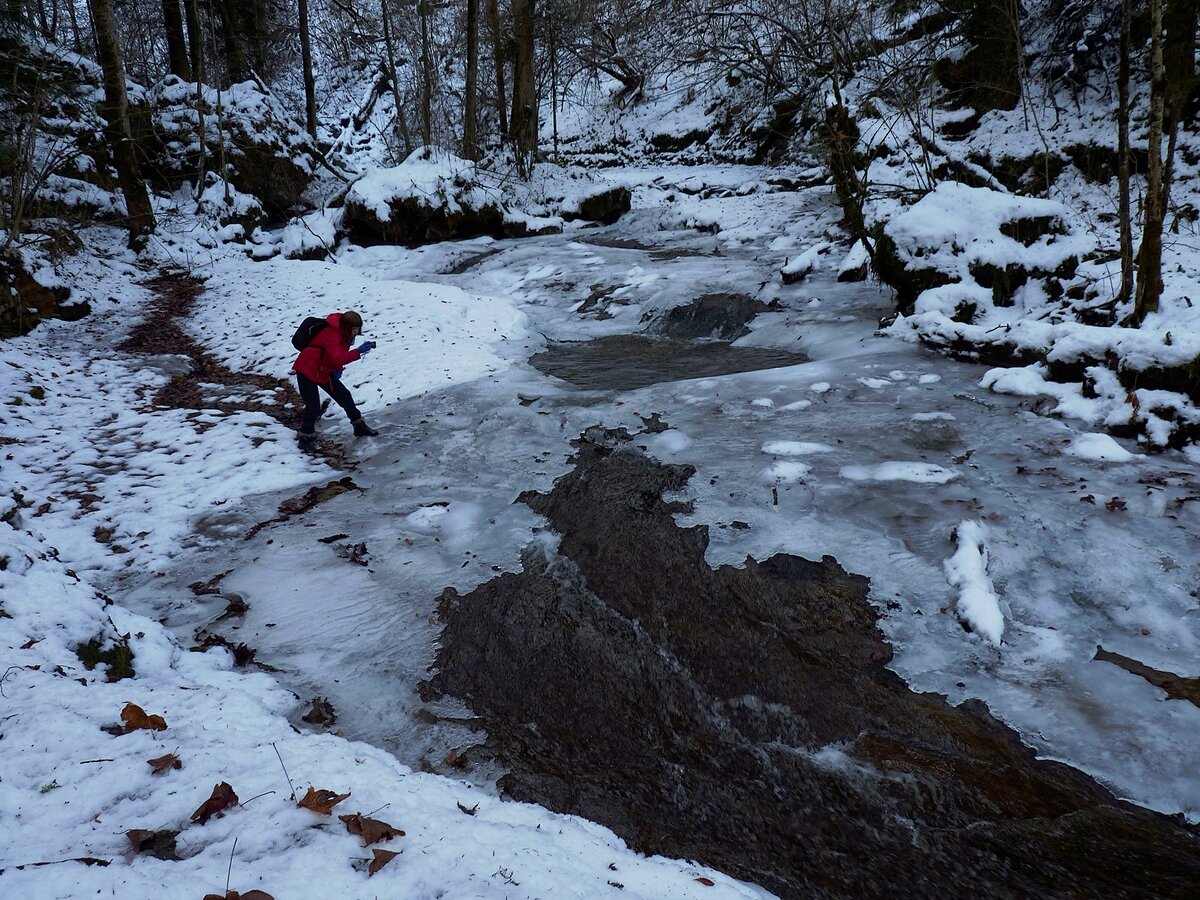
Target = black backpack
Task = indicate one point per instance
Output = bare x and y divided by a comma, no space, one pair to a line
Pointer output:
308,330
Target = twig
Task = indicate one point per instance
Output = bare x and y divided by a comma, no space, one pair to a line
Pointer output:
255,797
372,812
229,873
82,761
285,771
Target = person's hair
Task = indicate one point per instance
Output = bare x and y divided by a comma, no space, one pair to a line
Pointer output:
351,321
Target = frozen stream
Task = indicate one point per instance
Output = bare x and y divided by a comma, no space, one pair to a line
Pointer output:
788,459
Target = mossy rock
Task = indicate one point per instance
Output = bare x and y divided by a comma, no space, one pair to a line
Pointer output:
118,658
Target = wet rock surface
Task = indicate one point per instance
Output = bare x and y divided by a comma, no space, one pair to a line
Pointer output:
723,316
624,362
745,717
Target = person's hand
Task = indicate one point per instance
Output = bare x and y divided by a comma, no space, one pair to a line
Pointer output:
336,374
365,347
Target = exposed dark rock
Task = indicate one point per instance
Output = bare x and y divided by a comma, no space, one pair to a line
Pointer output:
1177,687
604,206
412,222
723,316
745,717
624,362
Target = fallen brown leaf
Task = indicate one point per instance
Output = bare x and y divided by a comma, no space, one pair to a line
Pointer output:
371,830
136,718
234,895
222,798
162,764
321,801
382,858
707,882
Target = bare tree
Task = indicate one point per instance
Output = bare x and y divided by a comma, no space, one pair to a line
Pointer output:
524,103
1149,280
310,91
1124,214
116,112
177,53
471,86
390,47
424,11
493,17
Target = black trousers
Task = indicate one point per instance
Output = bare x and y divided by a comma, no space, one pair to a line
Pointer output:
312,401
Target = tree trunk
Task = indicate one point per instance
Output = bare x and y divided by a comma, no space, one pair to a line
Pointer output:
423,12
471,88
116,113
310,89
401,119
1149,280
1179,66
258,16
525,106
177,54
1124,214
235,54
76,39
195,36
493,17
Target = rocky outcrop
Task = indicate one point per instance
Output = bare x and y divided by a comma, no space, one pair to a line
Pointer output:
268,154
745,717
24,301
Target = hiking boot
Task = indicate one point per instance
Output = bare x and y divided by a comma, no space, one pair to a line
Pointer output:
362,429
306,441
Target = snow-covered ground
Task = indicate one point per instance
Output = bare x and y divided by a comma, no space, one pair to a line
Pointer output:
966,508
104,491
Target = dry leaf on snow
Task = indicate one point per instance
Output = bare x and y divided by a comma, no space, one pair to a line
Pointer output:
222,798
321,801
234,895
136,718
382,858
371,830
161,764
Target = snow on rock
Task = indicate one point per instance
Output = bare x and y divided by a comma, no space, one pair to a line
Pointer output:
978,606
794,269
1099,447
921,473
311,237
854,266
269,153
435,195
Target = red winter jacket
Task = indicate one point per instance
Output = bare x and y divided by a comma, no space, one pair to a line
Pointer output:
328,352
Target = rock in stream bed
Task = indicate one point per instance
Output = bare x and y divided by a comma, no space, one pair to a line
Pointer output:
745,717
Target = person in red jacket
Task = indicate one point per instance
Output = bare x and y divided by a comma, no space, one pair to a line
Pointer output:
320,365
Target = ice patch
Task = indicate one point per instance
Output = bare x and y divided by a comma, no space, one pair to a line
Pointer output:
794,448
820,387
929,379
922,473
788,471
932,416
